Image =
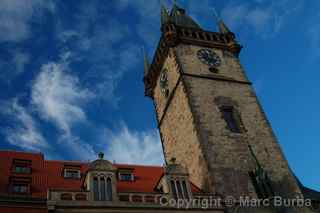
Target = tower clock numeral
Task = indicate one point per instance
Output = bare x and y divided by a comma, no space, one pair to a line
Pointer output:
164,82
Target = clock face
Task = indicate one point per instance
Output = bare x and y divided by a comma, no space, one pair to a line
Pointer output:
209,57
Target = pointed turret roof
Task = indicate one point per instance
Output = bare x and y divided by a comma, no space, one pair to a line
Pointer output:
223,27
164,15
146,62
177,16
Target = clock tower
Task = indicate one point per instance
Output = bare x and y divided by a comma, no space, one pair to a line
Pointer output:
208,114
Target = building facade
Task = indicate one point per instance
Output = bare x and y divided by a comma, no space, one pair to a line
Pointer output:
216,139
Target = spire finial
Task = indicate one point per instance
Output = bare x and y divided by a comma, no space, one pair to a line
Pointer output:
164,14
101,155
145,61
221,25
173,160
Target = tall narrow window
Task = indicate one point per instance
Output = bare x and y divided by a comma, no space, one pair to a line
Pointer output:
103,188
173,188
229,117
185,190
95,189
109,189
180,193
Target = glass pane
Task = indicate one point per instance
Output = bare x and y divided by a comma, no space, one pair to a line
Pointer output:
103,188
229,118
126,177
22,169
180,194
109,189
185,190
95,189
20,188
173,188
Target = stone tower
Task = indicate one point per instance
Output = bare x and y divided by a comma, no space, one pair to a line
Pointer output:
209,117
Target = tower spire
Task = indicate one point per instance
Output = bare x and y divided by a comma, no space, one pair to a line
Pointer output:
145,61
164,14
221,25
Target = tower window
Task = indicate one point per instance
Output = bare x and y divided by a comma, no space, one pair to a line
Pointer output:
230,118
173,188
102,189
109,189
179,189
95,189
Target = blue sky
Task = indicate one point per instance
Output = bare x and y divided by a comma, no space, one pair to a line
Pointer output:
71,75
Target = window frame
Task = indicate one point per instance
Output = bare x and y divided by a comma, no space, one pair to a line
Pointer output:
179,189
102,188
128,172
18,182
232,119
25,165
77,170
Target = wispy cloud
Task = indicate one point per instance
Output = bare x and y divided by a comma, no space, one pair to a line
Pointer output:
265,18
106,46
16,16
24,132
58,96
128,146
76,148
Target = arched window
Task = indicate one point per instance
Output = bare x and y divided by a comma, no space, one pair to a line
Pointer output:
180,194
179,189
95,188
109,189
103,188
185,190
173,188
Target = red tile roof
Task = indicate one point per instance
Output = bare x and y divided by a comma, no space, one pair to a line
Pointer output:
48,174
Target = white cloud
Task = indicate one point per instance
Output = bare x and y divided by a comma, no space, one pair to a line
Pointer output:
127,146
16,16
59,97
77,149
24,133
266,18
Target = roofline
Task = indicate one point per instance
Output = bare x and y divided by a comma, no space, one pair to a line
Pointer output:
77,161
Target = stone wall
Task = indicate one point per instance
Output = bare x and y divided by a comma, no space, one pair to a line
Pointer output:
227,153
177,129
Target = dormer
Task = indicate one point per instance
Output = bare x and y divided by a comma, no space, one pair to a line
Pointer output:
175,181
101,180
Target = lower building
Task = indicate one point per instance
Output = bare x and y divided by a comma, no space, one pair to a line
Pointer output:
31,184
